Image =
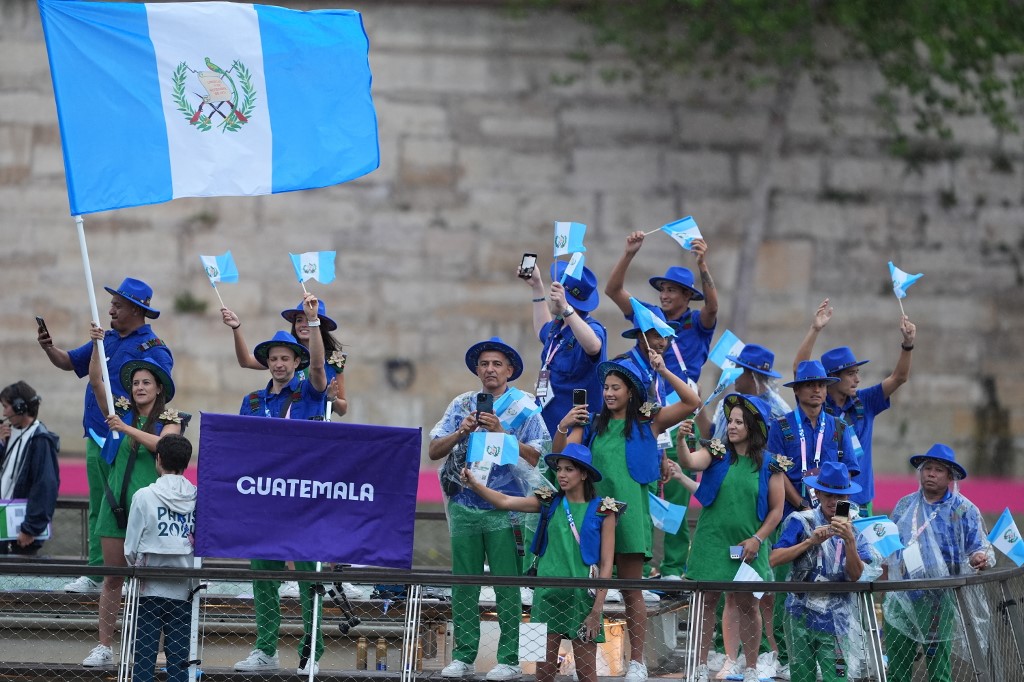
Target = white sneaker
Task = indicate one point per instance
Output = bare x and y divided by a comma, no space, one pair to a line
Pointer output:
100,657
637,672
504,672
83,585
487,595
767,665
716,659
671,577
614,596
651,597
730,668
289,588
750,675
457,669
783,672
304,671
258,660
701,675
526,596
352,592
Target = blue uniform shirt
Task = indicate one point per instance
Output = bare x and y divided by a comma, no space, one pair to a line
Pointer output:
783,440
141,343
308,403
860,413
571,368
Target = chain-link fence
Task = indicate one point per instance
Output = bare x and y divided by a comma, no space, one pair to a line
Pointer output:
406,623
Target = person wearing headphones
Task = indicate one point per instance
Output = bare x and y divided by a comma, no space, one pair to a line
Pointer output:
28,467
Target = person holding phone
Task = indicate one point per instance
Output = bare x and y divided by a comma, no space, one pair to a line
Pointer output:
822,547
479,532
623,437
573,342
741,493
130,337
575,539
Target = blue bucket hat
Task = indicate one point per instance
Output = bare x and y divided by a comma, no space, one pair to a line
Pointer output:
129,369
756,406
321,311
582,294
628,368
833,477
756,358
285,339
811,370
681,276
138,292
632,333
579,455
944,455
838,359
495,343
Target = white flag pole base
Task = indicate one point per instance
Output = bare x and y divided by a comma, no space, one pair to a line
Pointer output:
900,301
94,311
646,234
217,291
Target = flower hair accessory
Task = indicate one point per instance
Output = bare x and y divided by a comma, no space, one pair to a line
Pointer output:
337,360
122,404
544,494
170,415
716,448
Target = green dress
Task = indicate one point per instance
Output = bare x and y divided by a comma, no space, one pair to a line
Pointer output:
634,531
563,609
143,474
730,519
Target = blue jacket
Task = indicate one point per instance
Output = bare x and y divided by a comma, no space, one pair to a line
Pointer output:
39,480
589,530
643,458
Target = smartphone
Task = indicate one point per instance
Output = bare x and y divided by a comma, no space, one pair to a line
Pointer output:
527,265
484,403
736,552
42,325
579,396
843,510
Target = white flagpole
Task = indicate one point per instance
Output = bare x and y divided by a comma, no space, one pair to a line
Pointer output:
193,630
94,310
315,624
217,291
900,301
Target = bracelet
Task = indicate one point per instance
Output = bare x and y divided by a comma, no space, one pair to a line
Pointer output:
906,347
759,540
558,427
236,326
313,323
540,300
567,314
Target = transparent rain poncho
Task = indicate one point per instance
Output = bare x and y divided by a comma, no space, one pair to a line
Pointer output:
939,540
830,612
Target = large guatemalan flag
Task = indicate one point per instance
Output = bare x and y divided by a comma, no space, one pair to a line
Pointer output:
159,101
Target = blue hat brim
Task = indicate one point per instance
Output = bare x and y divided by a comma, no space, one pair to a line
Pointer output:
129,368
827,379
611,366
812,482
632,333
734,399
552,461
767,373
473,356
918,460
151,313
588,304
837,370
327,323
656,283
262,350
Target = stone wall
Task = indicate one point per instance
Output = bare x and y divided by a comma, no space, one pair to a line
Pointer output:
481,151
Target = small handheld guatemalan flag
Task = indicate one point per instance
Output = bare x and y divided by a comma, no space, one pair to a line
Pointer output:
683,231
881,533
728,344
1006,538
220,268
569,238
497,448
318,265
901,281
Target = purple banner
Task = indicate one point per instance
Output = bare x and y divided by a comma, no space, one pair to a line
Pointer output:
306,491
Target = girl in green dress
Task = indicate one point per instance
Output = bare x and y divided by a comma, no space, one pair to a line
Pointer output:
139,423
577,533
742,493
624,440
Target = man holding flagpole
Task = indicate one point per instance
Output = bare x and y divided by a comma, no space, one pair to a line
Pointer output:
944,535
286,396
858,406
479,532
129,338
689,350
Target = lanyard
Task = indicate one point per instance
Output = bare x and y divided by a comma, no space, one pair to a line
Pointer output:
915,532
551,353
679,356
572,523
803,446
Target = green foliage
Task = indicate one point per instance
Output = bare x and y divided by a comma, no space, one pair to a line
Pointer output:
938,59
188,304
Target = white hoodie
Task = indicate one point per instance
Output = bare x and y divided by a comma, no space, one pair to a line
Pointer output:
160,526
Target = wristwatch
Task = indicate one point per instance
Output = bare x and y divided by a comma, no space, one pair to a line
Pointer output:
569,312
